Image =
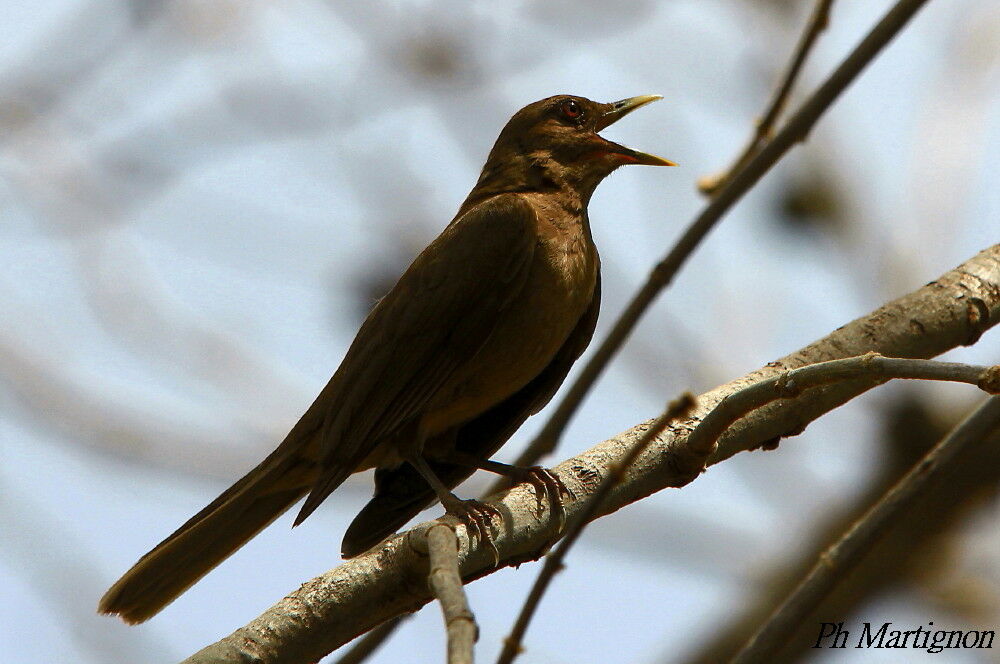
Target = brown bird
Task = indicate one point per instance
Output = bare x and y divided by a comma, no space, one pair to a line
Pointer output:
476,336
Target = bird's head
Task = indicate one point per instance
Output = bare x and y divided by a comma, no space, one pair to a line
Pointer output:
556,139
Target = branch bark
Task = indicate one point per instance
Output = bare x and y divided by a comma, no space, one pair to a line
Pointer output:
460,623
332,609
871,365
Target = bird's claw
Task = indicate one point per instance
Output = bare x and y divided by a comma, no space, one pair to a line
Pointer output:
547,483
477,518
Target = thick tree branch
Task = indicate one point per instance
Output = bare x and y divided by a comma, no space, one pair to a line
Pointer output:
332,609
840,558
794,131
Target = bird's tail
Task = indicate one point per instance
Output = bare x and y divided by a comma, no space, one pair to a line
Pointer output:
210,536
400,494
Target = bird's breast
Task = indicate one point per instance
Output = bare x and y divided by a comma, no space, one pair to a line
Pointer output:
558,290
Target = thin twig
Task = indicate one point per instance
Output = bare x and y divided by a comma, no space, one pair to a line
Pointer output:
554,561
366,646
446,582
795,130
790,384
765,125
840,558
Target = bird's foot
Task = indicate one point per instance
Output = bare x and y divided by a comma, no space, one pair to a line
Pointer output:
477,518
547,483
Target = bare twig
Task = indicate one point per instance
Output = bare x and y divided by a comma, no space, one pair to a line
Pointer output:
795,130
446,582
840,558
793,383
330,610
366,646
765,124
554,561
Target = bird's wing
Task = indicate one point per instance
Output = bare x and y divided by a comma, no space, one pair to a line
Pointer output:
401,493
436,318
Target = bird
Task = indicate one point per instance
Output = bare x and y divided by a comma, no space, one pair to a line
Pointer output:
476,335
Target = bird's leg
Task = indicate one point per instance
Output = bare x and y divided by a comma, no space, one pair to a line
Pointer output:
474,514
542,480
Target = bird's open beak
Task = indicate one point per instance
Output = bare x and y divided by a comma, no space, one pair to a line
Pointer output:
616,112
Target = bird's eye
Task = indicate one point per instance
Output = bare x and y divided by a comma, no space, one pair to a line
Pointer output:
571,110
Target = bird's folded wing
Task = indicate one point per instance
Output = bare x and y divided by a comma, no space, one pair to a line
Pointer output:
401,493
436,318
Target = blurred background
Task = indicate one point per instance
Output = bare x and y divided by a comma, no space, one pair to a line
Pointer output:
200,200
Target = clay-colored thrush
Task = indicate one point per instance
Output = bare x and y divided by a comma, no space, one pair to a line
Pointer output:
477,335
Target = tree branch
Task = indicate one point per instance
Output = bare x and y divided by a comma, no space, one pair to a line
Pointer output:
366,646
460,623
765,125
840,558
332,609
870,365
